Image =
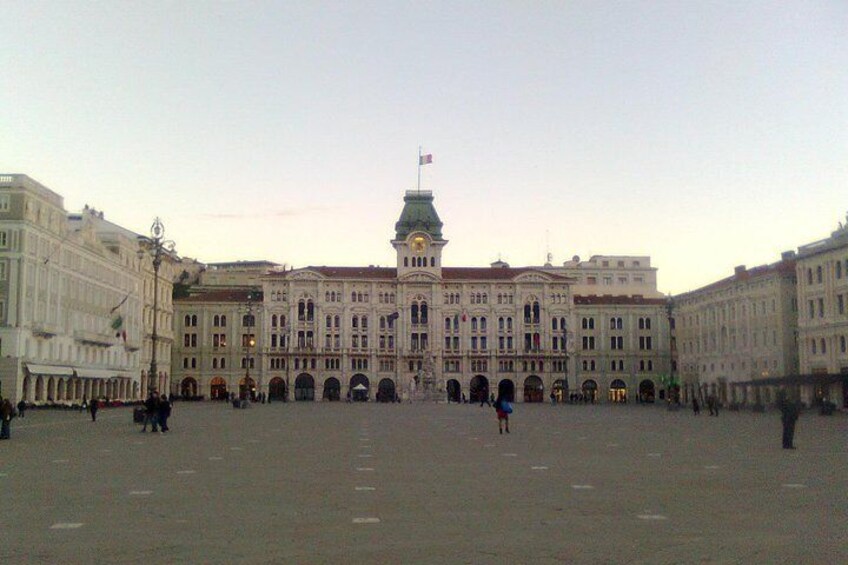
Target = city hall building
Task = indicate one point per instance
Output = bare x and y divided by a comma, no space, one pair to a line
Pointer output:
424,330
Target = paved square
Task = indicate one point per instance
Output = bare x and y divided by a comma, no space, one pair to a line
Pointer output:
285,483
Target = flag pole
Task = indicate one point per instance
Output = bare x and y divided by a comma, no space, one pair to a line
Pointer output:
419,169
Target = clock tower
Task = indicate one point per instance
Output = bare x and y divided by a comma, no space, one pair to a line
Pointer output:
418,235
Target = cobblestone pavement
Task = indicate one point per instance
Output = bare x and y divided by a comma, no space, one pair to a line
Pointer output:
331,483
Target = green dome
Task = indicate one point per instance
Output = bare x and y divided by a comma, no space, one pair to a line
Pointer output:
418,215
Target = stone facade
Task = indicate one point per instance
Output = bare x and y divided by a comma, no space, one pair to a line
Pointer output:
822,272
65,280
325,332
739,329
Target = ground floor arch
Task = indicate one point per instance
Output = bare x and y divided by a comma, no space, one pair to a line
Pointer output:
39,389
534,390
617,392
247,388
277,389
25,392
188,387
506,390
360,387
386,390
304,387
218,389
332,389
454,391
479,388
647,391
589,389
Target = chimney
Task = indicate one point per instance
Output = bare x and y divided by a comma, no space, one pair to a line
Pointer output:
787,255
740,270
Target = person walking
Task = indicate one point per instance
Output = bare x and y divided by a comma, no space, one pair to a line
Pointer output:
21,408
789,412
7,411
93,407
503,409
164,413
696,407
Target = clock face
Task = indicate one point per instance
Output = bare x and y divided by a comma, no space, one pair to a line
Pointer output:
418,244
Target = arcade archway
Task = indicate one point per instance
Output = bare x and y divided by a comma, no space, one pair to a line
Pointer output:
218,389
304,387
277,389
332,390
617,392
454,391
534,390
647,391
188,388
479,389
360,387
247,388
386,391
560,390
590,390
506,390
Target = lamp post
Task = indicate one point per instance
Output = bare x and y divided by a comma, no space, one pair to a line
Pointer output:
156,246
249,342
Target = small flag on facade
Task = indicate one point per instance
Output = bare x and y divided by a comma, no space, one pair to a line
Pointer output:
425,159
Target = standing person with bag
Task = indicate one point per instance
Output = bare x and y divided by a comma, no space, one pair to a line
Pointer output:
164,413
7,412
503,409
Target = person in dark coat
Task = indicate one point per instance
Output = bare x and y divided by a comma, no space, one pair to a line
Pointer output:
164,413
7,411
21,408
95,404
789,412
150,407
696,407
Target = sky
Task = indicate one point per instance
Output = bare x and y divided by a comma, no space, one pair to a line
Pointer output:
704,134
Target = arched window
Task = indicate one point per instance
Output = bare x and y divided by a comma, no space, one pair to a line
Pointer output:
216,321
223,321
456,322
327,296
823,346
194,320
500,324
432,261
214,362
641,323
819,274
364,322
509,324
414,313
447,324
612,323
483,324
329,321
423,312
526,313
554,324
310,311
406,261
354,322
274,321
301,311
647,323
337,322
187,321
474,324
619,324
382,322
353,297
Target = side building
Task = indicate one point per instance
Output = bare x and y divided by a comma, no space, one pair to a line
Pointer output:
75,301
420,329
737,331
822,271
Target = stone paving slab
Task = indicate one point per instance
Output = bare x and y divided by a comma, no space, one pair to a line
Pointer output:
279,483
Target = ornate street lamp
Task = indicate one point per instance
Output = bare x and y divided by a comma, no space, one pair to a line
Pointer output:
156,246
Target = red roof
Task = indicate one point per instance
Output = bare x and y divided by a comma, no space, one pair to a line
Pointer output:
608,299
448,273
227,295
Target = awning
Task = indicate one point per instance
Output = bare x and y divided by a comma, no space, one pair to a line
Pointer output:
793,380
360,386
101,373
50,370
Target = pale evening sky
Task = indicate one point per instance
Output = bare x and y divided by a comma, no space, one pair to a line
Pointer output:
703,134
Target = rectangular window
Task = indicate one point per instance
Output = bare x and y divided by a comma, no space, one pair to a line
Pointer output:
3,270
821,307
840,301
4,239
4,203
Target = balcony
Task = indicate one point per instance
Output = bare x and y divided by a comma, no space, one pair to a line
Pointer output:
95,338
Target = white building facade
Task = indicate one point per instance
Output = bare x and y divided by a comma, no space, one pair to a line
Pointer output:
420,328
739,330
822,272
75,301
